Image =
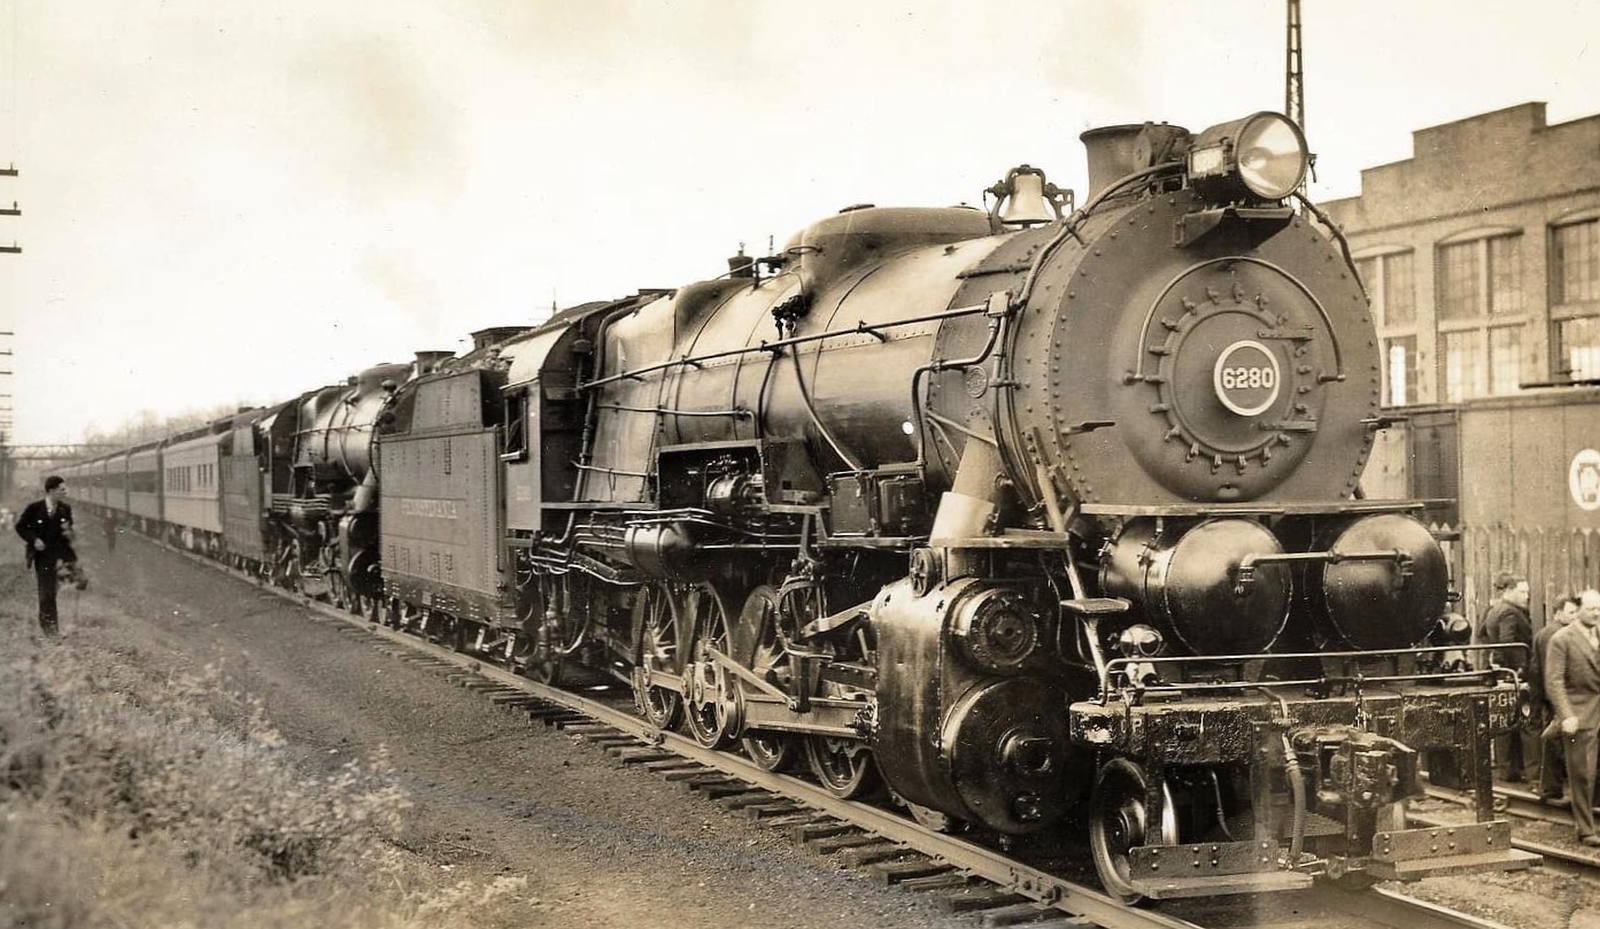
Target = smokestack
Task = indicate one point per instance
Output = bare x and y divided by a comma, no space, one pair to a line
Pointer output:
1110,151
1117,151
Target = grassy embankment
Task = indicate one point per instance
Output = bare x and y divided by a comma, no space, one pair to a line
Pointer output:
130,799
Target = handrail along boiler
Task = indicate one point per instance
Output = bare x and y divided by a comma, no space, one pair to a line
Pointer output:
1030,512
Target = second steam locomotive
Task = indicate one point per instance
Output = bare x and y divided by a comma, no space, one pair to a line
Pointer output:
1035,514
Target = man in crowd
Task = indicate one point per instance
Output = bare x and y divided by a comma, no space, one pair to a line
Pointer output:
1506,623
46,526
1552,761
1572,680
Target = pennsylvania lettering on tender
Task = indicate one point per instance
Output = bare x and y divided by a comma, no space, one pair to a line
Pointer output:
428,509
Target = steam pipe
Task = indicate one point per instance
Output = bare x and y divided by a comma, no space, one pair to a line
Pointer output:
995,325
811,411
1297,790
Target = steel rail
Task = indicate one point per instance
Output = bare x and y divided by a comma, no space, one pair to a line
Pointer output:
1380,905
1526,807
1072,898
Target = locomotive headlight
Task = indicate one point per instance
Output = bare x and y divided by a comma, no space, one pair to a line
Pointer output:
1272,156
1263,155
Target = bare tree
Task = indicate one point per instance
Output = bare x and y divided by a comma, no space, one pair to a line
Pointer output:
149,426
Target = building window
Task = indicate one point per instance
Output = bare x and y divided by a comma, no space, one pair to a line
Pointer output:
1391,285
1578,348
1505,347
1575,300
1577,262
1458,282
1505,276
1480,316
1462,355
1400,371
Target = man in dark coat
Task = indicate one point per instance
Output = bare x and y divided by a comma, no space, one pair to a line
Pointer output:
1552,760
1506,623
1572,679
46,526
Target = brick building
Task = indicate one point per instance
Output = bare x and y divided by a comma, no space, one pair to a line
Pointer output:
1482,256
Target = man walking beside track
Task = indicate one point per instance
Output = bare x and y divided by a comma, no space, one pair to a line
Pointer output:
1572,679
46,526
1506,623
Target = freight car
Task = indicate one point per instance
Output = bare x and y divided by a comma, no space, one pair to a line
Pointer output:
1030,513
1516,480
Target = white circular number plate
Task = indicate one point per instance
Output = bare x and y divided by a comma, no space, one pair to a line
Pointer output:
1247,378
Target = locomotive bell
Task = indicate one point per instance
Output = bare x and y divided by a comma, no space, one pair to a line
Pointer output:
1028,198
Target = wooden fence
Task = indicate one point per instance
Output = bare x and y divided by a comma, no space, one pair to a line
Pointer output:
1556,562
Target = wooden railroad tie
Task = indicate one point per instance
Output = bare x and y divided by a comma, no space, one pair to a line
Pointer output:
639,754
882,850
743,799
515,698
717,790
668,765
769,811
890,873
941,881
570,722
805,833
1029,914
709,779
788,821
979,897
836,843
684,774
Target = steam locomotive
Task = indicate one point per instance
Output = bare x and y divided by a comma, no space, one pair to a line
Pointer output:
1026,514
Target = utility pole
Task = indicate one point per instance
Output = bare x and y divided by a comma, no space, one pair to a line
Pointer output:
1294,94
6,424
13,248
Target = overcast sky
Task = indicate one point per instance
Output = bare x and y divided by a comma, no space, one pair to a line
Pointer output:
237,201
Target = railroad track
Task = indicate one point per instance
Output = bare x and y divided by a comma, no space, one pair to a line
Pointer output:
1521,804
996,888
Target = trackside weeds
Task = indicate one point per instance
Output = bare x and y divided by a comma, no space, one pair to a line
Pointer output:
131,800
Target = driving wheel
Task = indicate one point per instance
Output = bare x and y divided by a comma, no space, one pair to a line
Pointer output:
656,620
843,767
711,705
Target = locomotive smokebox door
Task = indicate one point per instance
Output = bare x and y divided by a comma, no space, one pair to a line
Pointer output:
1236,353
